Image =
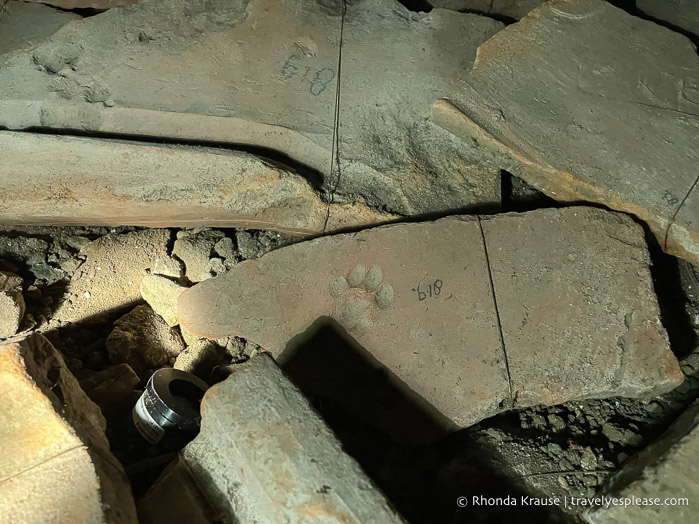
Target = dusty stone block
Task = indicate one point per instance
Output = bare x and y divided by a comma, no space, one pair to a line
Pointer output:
195,249
56,465
419,298
12,305
91,181
110,278
585,136
290,467
661,479
143,339
169,267
161,294
24,24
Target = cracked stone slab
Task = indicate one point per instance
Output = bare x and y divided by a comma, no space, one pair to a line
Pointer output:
104,182
515,9
680,13
264,73
289,466
419,298
565,97
56,465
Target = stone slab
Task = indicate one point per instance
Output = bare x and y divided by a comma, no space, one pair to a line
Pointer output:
264,73
575,293
680,13
56,464
23,24
376,285
86,4
105,182
289,466
419,298
514,9
660,480
564,98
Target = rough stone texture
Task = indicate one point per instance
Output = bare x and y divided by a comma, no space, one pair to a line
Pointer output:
666,469
515,9
162,294
290,467
56,465
12,305
680,13
23,24
418,297
169,267
194,249
110,278
143,339
85,4
109,388
101,182
175,497
168,68
564,98
200,357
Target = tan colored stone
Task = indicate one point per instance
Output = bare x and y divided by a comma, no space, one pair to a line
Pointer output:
162,294
102,182
574,124
110,278
56,465
168,68
23,24
418,298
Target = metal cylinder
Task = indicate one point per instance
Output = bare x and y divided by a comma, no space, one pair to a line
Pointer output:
169,404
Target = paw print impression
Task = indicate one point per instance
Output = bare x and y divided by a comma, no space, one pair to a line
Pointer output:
359,298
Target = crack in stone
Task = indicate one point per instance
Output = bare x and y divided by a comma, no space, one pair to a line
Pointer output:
677,211
497,314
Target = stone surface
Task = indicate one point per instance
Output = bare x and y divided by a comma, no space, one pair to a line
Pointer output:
110,278
12,305
169,267
200,357
109,388
56,465
162,294
419,298
662,473
143,339
680,13
86,4
23,24
194,249
290,467
168,69
515,9
574,124
100,182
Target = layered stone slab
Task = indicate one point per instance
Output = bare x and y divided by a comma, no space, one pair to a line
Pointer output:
265,73
288,465
56,465
680,13
573,315
588,103
52,179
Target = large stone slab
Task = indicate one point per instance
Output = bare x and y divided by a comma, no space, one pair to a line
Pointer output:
264,73
288,465
575,307
564,97
515,9
56,465
104,182
87,4
658,484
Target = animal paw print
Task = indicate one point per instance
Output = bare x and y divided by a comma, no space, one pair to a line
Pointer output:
359,295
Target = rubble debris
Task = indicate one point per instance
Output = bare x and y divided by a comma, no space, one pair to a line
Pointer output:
56,464
200,357
680,13
289,465
110,278
84,79
155,185
195,249
24,24
575,306
585,136
514,9
143,339
169,267
161,294
110,388
254,244
12,307
663,472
